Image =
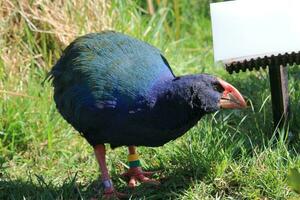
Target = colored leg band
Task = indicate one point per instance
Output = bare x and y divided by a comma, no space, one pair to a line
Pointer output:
107,184
135,163
133,160
133,157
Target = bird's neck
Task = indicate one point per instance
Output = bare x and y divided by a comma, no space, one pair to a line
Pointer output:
177,93
173,107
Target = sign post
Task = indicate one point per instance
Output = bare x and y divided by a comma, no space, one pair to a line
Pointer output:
254,34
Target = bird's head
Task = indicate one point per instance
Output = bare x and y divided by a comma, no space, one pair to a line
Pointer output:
210,93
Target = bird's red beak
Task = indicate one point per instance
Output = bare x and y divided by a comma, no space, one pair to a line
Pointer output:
231,98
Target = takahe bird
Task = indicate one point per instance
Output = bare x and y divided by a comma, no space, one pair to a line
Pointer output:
116,89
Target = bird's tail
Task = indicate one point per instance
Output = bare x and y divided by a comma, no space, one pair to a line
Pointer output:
54,72
49,77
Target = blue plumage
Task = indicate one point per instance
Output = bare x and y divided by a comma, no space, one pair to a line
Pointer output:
119,90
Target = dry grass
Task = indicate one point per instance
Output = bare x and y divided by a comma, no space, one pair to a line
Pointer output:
26,26
64,19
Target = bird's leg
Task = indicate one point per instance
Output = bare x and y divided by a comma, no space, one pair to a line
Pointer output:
135,172
109,190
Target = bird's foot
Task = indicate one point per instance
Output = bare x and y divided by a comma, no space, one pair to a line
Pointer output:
111,193
136,174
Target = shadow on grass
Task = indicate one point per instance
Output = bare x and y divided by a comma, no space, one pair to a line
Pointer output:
173,183
38,188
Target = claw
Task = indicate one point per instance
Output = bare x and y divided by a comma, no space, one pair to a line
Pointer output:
136,174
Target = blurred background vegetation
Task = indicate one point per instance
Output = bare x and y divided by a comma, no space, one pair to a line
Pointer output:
228,155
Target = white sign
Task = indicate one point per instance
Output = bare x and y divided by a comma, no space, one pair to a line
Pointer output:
245,29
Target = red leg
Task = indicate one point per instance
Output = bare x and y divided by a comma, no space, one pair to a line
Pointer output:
109,190
136,173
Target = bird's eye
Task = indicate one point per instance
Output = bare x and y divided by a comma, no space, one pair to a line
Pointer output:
218,87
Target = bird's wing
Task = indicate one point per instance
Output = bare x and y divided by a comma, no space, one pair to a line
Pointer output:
113,67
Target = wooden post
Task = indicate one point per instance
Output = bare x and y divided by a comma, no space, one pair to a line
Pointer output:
279,91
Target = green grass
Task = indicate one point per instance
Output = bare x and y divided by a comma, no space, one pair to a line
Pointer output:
228,155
